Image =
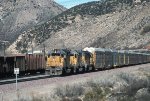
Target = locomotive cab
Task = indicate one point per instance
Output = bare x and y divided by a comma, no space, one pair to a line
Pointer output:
86,60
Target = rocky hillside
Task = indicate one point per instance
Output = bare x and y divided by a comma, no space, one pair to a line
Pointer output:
17,16
108,23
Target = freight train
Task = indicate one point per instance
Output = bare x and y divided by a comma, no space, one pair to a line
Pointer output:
66,61
90,59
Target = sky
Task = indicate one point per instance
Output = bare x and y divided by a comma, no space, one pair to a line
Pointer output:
71,3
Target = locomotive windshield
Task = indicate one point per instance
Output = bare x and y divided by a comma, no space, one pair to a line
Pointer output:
55,54
85,53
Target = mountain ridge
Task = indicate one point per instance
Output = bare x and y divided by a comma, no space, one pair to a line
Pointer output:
72,30
17,16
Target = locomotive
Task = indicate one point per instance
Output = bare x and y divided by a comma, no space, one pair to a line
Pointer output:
68,61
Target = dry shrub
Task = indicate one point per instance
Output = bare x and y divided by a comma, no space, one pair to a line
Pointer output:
69,91
97,92
129,84
34,96
106,82
132,81
101,89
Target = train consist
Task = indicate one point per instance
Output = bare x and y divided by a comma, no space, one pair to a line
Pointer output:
64,61
69,61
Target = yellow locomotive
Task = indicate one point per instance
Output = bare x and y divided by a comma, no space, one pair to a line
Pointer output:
86,61
57,60
63,61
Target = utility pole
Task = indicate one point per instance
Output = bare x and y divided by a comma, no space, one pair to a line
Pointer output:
44,49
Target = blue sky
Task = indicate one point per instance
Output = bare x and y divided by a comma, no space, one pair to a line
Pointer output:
71,3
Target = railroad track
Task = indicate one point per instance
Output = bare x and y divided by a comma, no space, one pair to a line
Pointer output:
33,77
29,78
44,76
23,79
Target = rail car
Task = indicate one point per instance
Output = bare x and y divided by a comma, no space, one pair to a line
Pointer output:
92,59
118,58
27,64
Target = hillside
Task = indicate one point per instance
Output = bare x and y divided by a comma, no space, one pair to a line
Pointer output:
110,24
17,16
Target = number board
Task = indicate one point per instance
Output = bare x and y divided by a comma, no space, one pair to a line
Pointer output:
16,70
